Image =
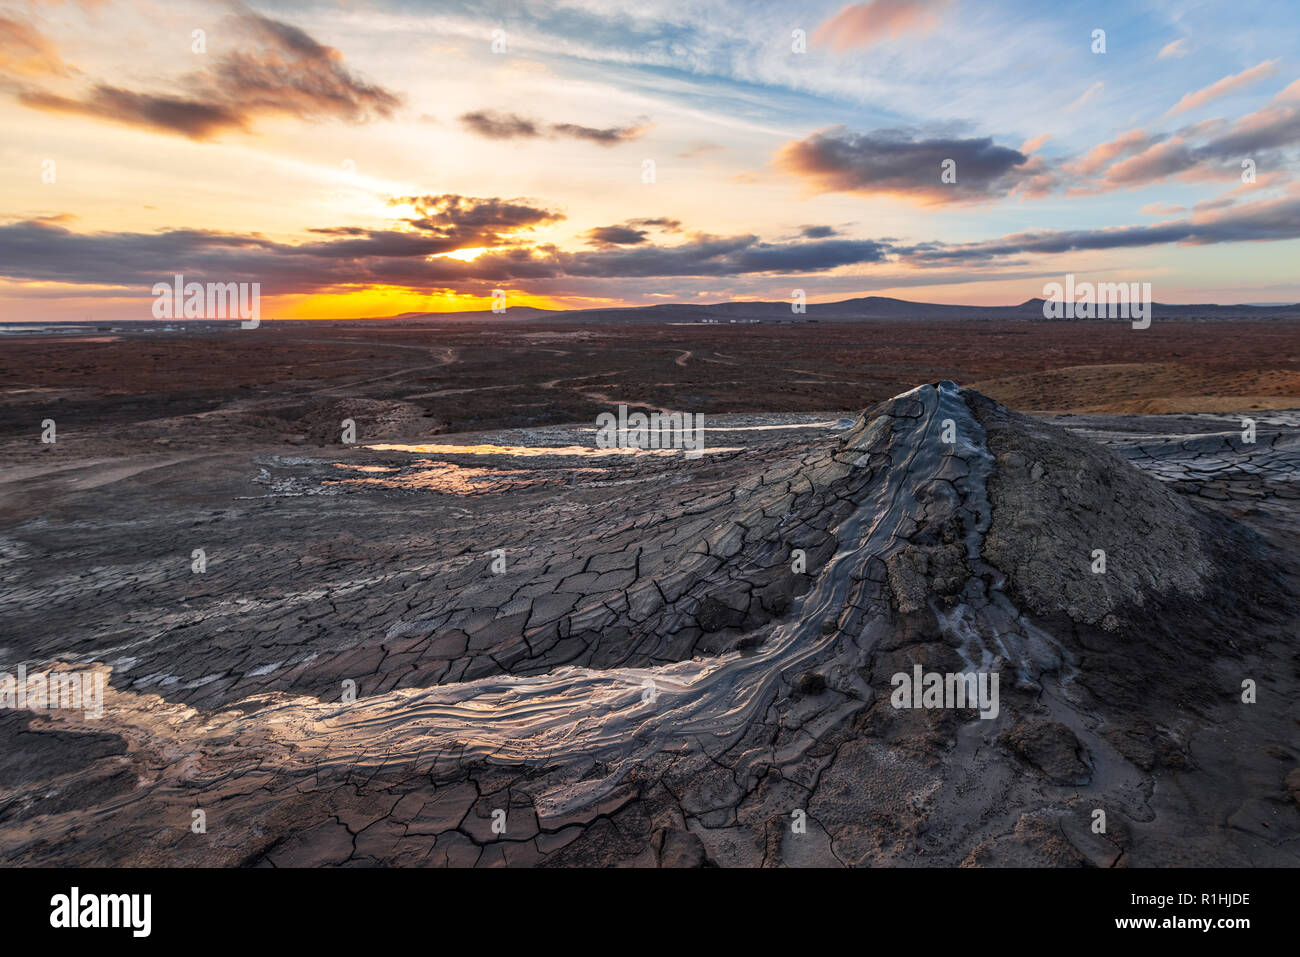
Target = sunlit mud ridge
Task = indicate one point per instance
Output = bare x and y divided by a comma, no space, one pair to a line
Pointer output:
712,680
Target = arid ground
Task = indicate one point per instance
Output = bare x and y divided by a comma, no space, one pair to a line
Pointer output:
478,375
649,675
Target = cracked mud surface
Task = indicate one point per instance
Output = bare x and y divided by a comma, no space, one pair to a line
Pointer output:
649,680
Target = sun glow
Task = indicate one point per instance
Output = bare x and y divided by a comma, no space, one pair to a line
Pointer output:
382,301
464,255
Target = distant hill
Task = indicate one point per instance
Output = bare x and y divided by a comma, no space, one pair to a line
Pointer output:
867,307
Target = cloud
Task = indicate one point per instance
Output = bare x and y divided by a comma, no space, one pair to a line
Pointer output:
162,113
818,232
721,256
633,232
1219,202
1274,126
1209,150
1103,153
348,257
282,70
1174,50
1087,95
897,163
351,257
1162,209
1291,92
1203,151
498,126
1270,219
1155,163
470,221
1229,84
610,136
292,73
662,222
441,224
25,52
866,24
505,126
1034,144
616,236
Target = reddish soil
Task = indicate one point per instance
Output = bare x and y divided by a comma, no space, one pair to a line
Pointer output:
479,375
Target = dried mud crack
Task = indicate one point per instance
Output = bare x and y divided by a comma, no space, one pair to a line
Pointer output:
562,657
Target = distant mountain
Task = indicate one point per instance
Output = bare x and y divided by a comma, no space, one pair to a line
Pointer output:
867,307
879,307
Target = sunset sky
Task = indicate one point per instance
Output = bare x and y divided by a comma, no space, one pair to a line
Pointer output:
373,158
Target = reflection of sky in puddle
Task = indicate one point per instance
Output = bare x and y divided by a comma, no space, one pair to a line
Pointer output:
427,475
432,475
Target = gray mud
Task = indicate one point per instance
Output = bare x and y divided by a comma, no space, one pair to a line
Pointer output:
682,662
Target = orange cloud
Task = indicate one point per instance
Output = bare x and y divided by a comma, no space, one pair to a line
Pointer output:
172,114
24,52
1291,92
1228,84
1103,153
866,24
1035,144
1174,50
282,70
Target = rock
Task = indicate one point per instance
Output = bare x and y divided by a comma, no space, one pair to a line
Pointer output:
1051,747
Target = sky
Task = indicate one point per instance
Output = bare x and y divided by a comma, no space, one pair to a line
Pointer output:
362,159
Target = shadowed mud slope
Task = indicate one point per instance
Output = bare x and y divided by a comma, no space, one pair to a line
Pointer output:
644,659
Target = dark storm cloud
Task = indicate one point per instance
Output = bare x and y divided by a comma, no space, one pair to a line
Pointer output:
507,126
897,162
281,69
818,232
